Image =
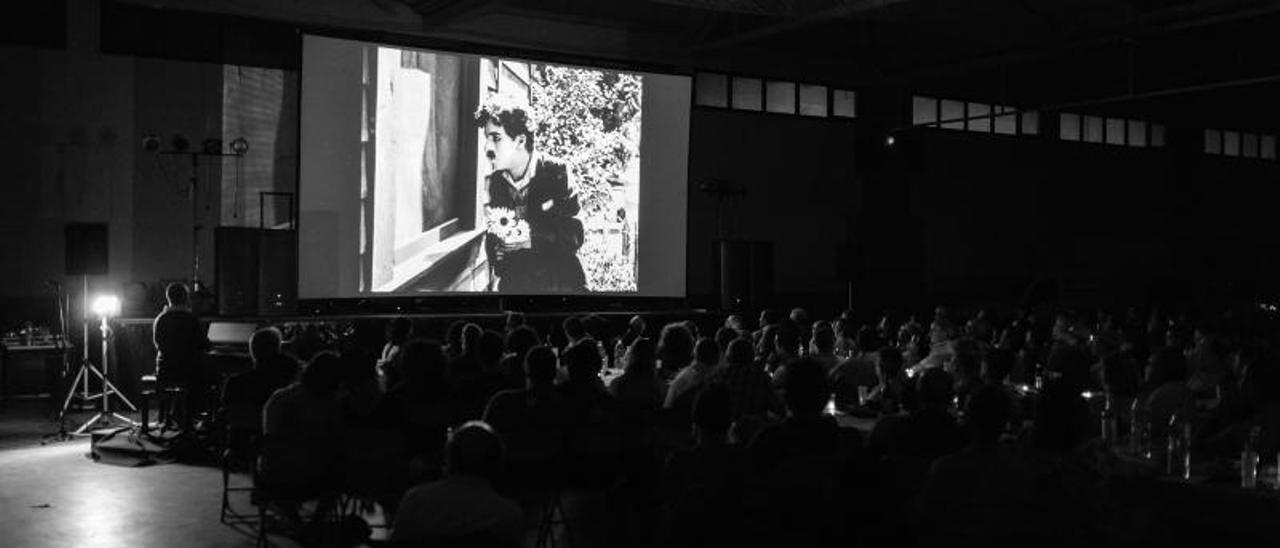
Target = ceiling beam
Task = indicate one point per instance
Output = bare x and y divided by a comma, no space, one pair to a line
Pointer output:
438,14
846,9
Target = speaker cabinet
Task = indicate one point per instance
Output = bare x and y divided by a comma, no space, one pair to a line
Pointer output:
257,271
236,256
277,271
744,274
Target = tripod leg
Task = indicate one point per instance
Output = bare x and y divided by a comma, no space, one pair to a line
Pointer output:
110,388
71,393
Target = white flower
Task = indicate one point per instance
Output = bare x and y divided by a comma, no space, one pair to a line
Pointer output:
504,225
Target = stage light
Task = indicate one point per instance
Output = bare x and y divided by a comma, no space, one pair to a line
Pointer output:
889,141
106,306
151,143
240,146
179,143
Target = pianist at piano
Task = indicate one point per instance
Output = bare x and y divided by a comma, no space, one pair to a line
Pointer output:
179,342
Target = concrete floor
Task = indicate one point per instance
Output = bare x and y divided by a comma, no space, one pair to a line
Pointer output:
56,496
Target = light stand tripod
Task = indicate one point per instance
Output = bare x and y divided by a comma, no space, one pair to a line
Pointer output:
105,307
63,303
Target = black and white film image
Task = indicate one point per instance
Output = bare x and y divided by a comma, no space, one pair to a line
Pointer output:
493,175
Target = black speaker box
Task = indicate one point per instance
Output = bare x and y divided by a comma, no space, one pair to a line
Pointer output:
733,264
744,274
86,247
236,261
257,271
277,272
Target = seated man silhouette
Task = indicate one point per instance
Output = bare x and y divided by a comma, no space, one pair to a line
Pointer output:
929,431
300,423
536,407
462,508
806,431
180,342
984,491
272,370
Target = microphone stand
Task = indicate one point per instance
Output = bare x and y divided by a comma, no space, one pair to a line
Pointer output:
193,194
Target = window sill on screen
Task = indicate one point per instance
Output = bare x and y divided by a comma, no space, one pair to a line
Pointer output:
419,262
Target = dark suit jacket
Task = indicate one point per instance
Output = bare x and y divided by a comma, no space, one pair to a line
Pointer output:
548,204
179,341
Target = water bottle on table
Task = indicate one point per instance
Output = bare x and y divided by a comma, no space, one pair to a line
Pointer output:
1178,457
1249,460
1139,430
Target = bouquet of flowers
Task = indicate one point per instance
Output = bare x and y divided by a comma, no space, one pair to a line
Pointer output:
505,226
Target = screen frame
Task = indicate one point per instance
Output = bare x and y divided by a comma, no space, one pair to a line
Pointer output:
471,301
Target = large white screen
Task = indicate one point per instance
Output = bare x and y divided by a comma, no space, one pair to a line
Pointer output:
428,172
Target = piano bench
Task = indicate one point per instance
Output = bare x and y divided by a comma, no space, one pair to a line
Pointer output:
165,395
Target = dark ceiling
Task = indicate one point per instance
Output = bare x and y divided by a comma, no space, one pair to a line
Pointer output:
1209,62
1196,61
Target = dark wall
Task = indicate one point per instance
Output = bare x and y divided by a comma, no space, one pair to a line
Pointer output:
954,215
801,193
1093,221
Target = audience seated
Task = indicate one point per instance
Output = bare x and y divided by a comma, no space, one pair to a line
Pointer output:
768,317
518,342
985,492
893,393
301,424
675,350
362,389
822,346
574,330
735,323
1069,362
462,508
635,329
514,320
690,380
786,347
703,485
474,389
537,406
399,330
1206,362
464,366
1166,389
1069,484
750,389
929,431
638,385
965,366
272,370
453,338
857,374
586,401
806,431
726,335
422,407
762,463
